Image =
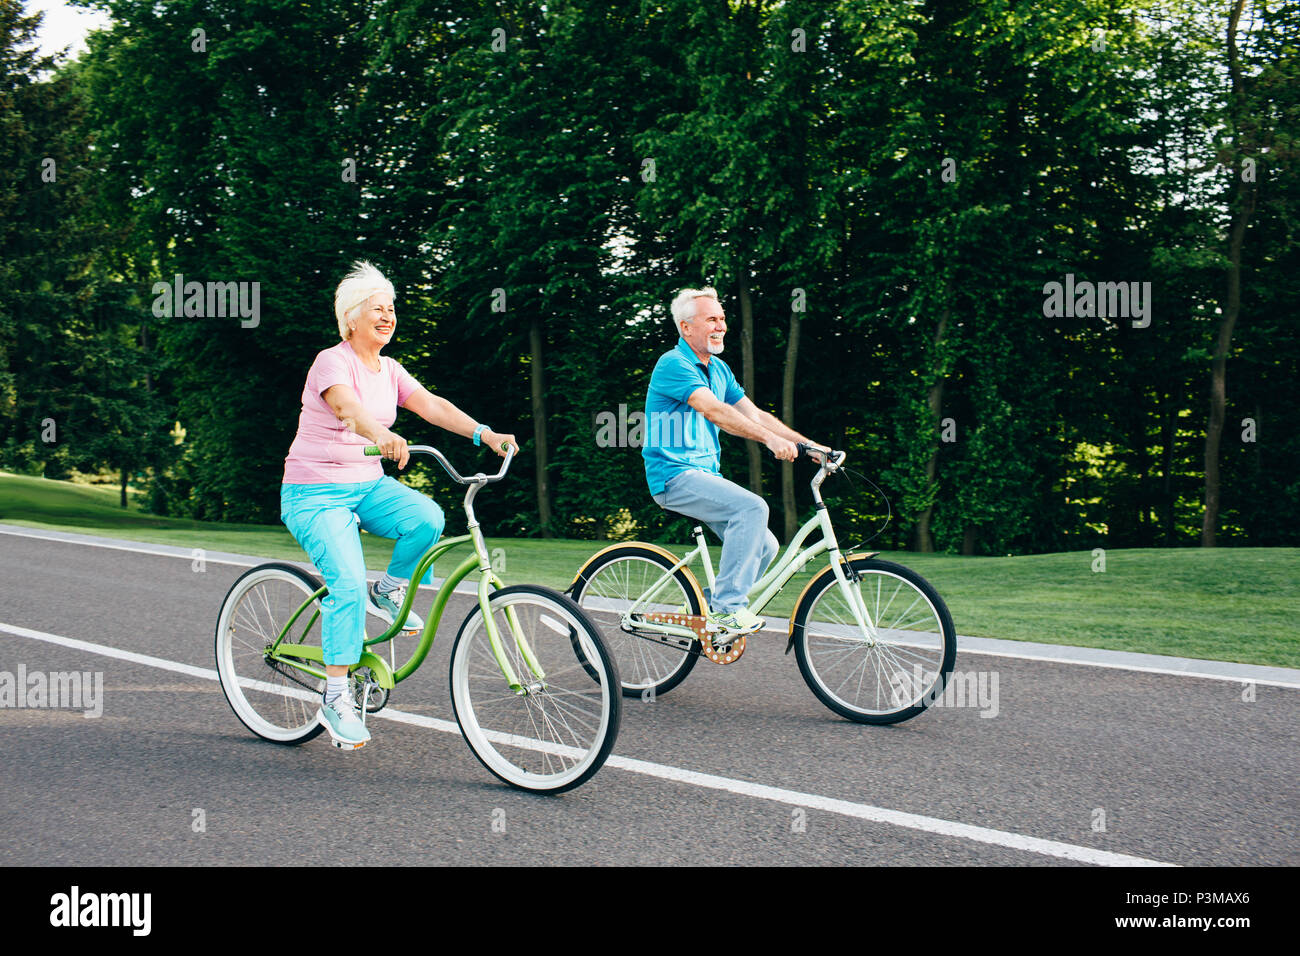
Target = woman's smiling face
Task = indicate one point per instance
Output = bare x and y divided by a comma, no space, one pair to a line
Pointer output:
375,326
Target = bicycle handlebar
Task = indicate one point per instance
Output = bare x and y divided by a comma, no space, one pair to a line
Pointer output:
440,458
833,459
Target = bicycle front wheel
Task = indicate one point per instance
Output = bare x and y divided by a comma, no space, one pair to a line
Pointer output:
630,574
556,728
882,676
274,700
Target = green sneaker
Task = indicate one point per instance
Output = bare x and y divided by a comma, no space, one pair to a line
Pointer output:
385,605
341,720
734,624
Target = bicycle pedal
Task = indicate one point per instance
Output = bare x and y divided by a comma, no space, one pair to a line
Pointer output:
346,746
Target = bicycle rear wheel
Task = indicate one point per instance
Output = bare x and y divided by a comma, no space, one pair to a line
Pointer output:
615,580
272,699
875,678
558,728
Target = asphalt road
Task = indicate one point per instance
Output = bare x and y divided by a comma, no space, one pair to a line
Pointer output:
740,764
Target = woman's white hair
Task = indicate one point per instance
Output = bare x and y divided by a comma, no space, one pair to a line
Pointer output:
355,291
683,307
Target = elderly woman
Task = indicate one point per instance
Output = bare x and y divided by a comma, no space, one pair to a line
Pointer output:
350,401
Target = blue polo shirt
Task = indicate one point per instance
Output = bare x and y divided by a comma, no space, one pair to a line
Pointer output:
677,437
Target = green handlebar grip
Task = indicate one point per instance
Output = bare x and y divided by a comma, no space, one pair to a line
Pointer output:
373,450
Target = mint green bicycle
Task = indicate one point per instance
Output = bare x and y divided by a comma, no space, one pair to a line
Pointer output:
874,640
533,686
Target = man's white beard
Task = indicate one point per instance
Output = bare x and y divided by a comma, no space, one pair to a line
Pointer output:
714,349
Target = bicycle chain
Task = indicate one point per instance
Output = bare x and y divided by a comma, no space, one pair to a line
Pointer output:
281,669
287,672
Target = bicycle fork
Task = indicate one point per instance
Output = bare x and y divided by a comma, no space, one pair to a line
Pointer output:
848,585
487,577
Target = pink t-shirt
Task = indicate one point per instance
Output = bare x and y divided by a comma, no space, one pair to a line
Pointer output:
323,451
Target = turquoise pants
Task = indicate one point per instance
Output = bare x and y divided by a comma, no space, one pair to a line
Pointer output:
324,519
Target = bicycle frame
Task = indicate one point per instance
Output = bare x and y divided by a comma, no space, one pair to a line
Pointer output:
294,654
790,563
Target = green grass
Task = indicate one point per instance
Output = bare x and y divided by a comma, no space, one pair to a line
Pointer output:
1231,604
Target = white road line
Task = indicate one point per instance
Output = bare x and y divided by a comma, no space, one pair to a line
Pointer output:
467,588
251,561
1141,668
190,669
137,548
861,811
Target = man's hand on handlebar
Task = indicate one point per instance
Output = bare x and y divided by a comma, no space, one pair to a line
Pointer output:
783,450
816,452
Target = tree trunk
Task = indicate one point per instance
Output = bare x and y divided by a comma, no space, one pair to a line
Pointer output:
791,515
538,382
1166,469
124,474
1144,529
922,540
1243,205
1255,445
752,449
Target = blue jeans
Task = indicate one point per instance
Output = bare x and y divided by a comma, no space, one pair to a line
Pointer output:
324,518
739,518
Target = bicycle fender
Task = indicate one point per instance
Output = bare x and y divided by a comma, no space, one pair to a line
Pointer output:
379,667
789,645
622,544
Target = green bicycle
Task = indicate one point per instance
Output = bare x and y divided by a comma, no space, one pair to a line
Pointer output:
532,682
873,639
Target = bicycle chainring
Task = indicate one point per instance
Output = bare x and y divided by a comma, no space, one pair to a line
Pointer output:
714,650
722,653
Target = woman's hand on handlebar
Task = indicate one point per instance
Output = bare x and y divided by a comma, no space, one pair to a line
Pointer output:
497,441
394,447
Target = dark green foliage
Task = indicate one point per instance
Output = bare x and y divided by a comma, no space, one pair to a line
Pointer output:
917,172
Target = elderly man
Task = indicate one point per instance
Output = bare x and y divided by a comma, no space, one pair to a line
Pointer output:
693,394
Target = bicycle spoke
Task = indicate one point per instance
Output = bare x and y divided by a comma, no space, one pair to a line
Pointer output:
637,579
269,699
907,652
550,735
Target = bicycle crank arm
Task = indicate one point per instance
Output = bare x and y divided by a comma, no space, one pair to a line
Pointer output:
670,640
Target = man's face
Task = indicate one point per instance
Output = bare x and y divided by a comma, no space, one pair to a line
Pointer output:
705,334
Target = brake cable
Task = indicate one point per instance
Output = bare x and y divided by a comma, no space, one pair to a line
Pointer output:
889,512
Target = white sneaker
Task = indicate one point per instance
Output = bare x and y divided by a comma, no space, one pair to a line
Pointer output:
341,720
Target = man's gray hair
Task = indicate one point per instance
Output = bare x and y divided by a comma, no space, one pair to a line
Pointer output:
683,307
355,291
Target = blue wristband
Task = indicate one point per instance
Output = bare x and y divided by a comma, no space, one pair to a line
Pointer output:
478,434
